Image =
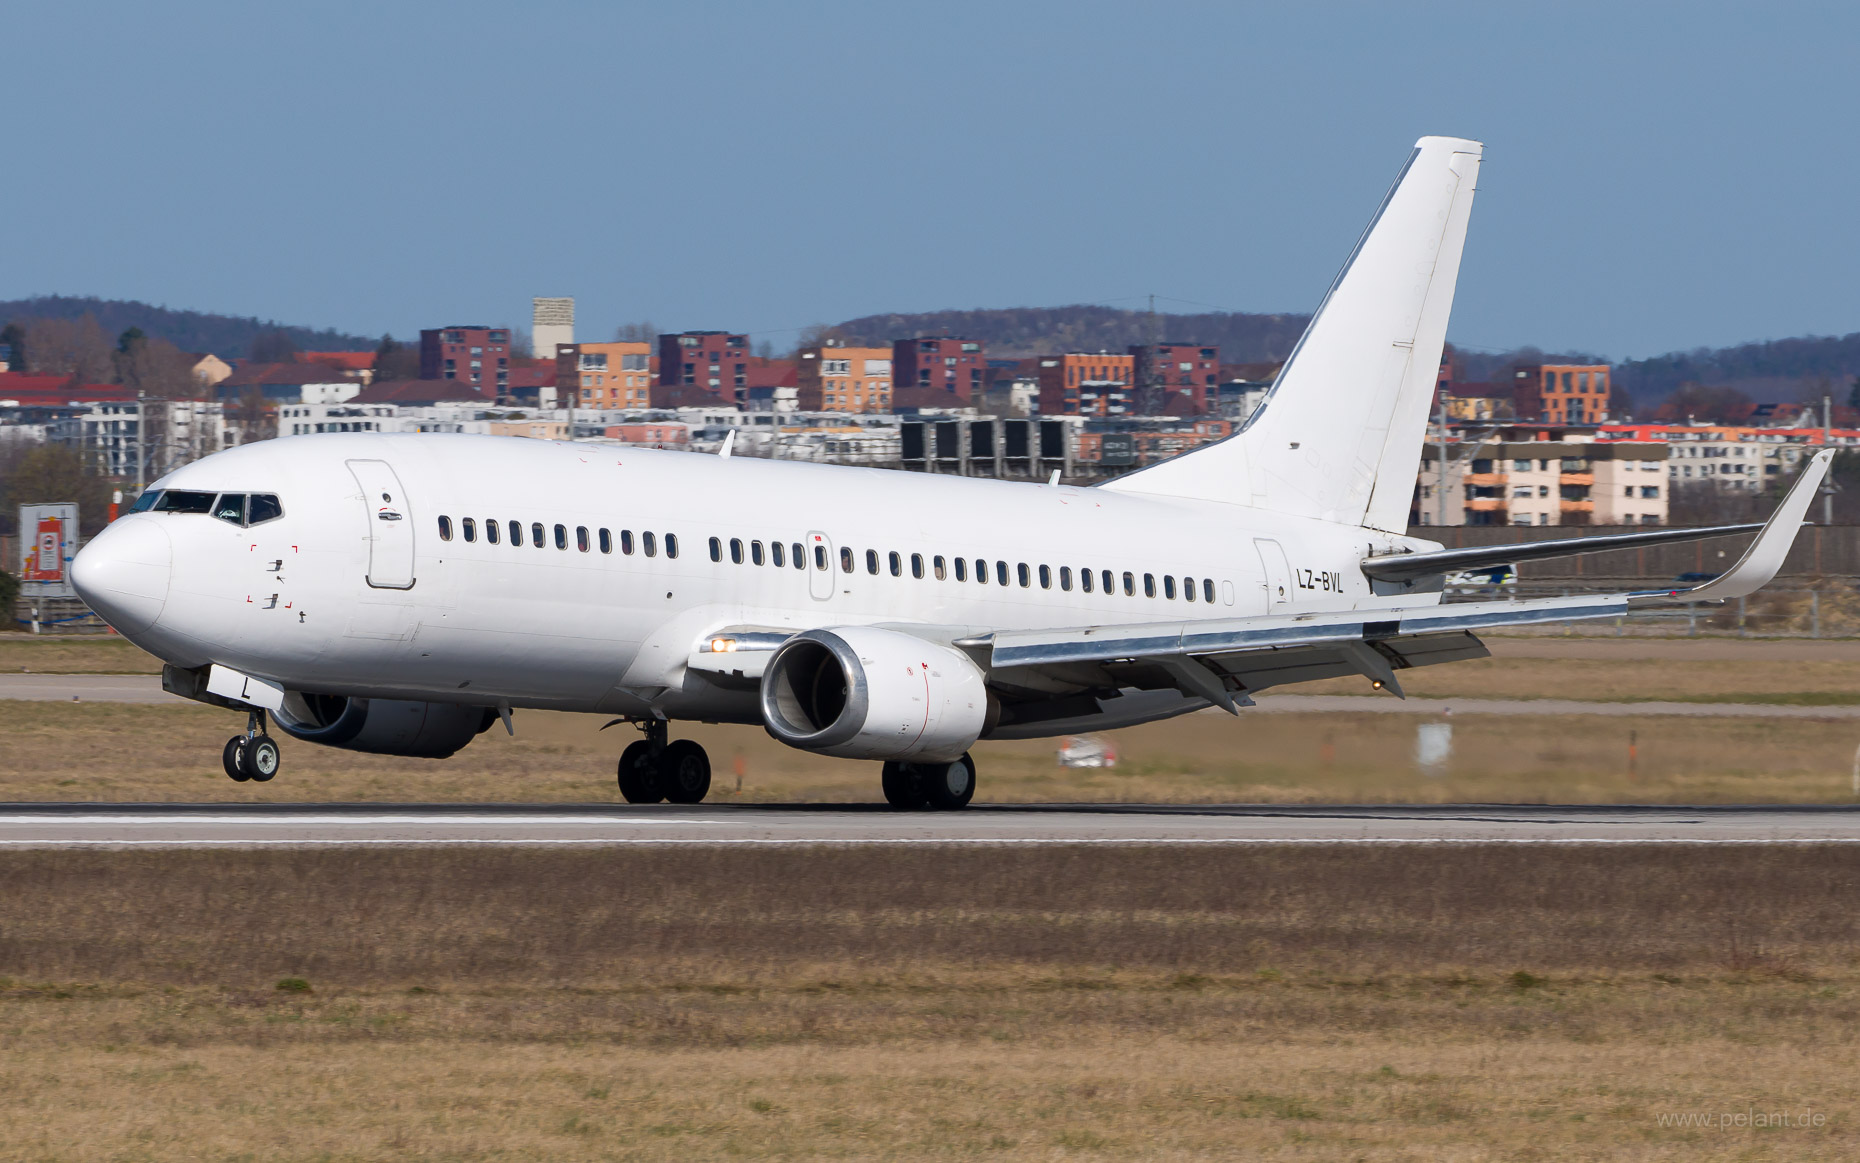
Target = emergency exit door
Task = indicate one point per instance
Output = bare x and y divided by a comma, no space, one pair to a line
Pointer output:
390,525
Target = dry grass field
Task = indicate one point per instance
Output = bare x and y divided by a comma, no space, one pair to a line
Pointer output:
1060,1003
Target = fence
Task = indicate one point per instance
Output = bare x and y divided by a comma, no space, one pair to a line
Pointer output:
1819,551
1832,611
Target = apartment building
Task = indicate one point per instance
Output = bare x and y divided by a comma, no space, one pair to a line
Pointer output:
944,363
1544,482
1734,458
605,375
1560,393
1086,384
475,355
1180,373
831,378
714,363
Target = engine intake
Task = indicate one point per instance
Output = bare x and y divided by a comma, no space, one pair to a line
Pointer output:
862,693
382,726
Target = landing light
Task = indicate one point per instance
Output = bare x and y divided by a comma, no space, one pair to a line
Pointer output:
722,645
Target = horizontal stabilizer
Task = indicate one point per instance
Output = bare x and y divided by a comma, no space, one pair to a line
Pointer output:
1407,566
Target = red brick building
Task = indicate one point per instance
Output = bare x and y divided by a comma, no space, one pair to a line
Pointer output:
475,355
1086,384
1176,374
957,367
713,362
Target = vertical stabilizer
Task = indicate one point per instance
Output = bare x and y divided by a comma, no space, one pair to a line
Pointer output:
1339,436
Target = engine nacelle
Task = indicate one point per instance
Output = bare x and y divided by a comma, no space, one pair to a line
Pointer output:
382,726
862,693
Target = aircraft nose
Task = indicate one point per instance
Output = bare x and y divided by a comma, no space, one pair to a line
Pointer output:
123,573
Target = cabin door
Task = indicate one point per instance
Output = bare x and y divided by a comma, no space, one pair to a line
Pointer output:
390,525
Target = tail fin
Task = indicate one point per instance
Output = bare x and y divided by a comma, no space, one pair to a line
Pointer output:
1339,436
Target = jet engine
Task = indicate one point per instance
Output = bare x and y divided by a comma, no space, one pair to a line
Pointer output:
862,693
382,726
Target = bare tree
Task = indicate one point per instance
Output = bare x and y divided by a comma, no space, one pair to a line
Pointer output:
71,347
273,347
396,361
645,331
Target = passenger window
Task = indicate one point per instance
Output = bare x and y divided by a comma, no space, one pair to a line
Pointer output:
981,571
716,549
607,541
897,564
536,533
820,557
917,566
1207,590
230,507
1001,572
1046,577
1111,589
846,559
1168,586
1130,586
671,545
445,528
799,556
516,534
1026,579
775,555
1084,579
1065,577
581,537
650,544
626,542
469,528
1188,588
561,537
490,530
261,508
942,571
871,562
736,550
962,569
755,552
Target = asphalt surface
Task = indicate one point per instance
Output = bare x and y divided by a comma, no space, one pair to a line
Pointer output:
146,688
256,825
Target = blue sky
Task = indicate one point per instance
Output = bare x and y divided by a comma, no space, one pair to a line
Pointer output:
1658,176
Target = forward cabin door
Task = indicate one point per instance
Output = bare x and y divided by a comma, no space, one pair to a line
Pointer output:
821,565
390,525
1278,574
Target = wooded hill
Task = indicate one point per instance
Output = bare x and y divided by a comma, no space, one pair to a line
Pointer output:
226,336
1017,332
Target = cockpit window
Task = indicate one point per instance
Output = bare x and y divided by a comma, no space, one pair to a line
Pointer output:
230,507
146,501
263,507
181,501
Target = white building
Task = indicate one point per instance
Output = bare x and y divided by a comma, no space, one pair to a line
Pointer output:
168,433
552,322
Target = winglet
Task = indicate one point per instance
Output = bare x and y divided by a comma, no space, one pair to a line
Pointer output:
1765,556
729,442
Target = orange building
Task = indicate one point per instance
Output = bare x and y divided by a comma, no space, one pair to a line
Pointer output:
1562,393
1086,384
844,379
609,375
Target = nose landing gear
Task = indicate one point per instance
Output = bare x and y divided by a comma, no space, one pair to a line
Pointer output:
652,769
253,755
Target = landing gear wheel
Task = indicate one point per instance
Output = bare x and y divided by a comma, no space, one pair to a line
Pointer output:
903,786
260,759
684,772
948,786
639,775
234,759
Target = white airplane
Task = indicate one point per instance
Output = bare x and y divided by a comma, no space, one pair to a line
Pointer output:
400,594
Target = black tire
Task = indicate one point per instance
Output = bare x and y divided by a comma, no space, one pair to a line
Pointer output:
234,758
684,772
948,786
260,759
639,775
903,787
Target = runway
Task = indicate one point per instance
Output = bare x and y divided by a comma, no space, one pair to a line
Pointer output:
146,688
306,825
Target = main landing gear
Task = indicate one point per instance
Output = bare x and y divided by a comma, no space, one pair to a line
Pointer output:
938,786
253,755
652,769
